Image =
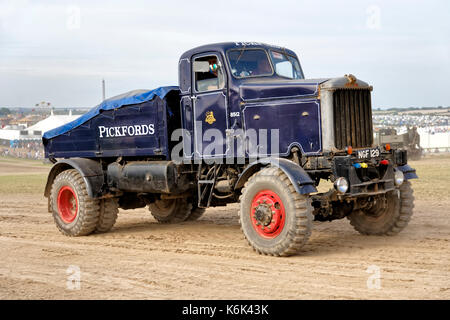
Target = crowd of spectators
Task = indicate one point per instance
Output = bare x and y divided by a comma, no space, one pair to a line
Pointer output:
408,120
433,130
26,149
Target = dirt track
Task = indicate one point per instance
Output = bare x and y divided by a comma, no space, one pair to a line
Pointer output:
209,259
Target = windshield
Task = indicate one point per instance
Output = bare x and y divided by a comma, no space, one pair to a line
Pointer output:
286,65
249,63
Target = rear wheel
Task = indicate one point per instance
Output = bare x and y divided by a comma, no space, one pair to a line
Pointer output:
275,219
390,216
171,210
74,212
109,209
196,213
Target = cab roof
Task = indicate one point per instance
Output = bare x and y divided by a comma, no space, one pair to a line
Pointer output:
223,47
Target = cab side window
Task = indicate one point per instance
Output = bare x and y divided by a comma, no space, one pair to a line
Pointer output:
211,77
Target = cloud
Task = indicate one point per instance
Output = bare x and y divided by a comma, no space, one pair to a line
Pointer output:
136,44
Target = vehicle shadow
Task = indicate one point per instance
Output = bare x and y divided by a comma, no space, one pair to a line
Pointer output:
326,239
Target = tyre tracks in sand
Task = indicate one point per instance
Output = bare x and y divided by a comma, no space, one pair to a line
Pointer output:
209,258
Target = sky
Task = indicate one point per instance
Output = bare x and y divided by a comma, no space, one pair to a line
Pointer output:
59,51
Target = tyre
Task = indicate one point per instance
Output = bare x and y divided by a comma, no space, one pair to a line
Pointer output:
74,212
196,213
391,218
109,209
274,218
171,210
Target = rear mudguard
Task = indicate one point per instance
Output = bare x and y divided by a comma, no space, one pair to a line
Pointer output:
90,170
408,172
301,181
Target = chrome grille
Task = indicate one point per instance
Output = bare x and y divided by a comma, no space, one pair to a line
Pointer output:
352,118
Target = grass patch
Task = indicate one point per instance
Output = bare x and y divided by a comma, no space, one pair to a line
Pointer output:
30,162
31,183
434,178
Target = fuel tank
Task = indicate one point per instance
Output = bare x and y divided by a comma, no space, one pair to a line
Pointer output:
145,177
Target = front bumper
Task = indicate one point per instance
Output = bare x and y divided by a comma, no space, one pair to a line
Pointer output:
376,178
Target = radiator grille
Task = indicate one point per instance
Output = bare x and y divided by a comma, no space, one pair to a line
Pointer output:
352,118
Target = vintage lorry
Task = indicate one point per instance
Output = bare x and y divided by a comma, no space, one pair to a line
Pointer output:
244,125
409,140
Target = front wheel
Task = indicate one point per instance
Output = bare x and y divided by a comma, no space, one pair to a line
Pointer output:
388,216
275,219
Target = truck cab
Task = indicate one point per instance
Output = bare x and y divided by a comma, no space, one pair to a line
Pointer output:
244,92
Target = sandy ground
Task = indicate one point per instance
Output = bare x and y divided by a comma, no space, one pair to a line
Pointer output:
209,259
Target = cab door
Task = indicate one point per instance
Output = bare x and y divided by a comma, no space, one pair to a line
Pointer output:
209,100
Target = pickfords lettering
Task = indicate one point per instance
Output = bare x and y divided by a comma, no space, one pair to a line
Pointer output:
123,131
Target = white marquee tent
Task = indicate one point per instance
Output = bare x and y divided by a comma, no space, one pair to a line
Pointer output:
37,130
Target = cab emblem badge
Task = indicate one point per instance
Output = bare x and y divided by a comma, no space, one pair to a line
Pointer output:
210,117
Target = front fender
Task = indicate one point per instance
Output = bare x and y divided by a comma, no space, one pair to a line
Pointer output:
301,181
90,170
409,173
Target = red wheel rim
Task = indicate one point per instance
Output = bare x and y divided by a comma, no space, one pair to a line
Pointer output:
67,204
267,214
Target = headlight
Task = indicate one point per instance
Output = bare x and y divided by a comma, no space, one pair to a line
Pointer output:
398,177
341,185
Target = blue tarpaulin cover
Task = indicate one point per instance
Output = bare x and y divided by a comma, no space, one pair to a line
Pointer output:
132,97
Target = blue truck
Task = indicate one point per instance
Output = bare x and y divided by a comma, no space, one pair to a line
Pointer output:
243,125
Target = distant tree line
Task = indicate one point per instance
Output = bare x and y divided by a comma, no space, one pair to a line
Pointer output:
4,111
413,108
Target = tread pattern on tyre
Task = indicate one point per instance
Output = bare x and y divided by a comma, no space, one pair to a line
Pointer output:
88,208
196,213
406,209
297,236
109,209
180,213
399,220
